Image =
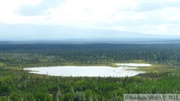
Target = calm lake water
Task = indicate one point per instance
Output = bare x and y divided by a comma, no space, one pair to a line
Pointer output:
90,71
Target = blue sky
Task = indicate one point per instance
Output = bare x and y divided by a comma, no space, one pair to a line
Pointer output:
157,17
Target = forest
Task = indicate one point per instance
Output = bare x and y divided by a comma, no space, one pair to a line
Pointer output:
17,84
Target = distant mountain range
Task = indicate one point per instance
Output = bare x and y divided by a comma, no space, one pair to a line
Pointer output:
61,33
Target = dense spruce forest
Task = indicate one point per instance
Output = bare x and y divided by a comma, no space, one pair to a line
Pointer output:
19,85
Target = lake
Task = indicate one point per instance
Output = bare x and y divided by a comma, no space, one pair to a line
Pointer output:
124,69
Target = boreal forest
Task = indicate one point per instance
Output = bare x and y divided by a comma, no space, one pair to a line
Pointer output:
17,84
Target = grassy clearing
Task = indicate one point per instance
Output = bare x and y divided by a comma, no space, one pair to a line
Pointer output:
139,61
157,68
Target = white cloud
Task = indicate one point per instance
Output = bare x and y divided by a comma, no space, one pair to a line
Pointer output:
89,11
9,8
147,16
175,18
137,17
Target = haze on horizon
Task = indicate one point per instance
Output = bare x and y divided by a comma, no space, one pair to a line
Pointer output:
83,19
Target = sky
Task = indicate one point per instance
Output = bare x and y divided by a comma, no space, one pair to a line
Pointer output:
157,17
